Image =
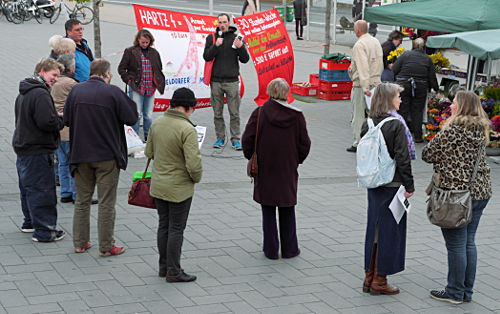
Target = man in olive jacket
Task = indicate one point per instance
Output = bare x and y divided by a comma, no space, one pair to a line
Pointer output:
173,144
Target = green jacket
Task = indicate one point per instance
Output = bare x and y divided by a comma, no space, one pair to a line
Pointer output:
173,145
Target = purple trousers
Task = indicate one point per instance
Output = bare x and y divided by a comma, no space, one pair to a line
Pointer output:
288,233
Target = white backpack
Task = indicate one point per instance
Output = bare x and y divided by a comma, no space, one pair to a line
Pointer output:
375,167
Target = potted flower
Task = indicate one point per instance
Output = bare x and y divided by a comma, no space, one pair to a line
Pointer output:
393,55
439,61
438,110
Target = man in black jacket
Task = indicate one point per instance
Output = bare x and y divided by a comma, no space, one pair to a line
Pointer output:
415,72
36,137
96,111
227,49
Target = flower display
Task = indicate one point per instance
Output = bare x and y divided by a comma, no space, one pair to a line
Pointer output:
438,110
393,55
439,61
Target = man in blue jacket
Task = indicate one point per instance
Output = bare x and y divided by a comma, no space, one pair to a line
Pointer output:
83,53
36,137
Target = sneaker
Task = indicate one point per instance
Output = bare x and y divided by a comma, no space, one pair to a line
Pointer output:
27,229
83,248
180,277
115,250
237,145
219,143
57,236
441,295
352,149
68,199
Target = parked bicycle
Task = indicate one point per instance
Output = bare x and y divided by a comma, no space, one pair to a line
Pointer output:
80,12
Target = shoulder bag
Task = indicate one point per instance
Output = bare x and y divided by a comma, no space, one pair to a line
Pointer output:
207,72
451,209
139,192
252,166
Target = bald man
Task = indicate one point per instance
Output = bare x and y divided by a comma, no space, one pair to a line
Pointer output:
365,70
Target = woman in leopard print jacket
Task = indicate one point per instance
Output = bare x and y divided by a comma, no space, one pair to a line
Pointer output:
453,153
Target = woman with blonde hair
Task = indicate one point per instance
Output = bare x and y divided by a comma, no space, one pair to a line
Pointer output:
453,153
385,241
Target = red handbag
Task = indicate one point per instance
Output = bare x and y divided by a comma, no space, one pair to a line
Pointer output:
139,192
207,72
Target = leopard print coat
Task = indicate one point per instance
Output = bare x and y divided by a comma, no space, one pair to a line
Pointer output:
453,152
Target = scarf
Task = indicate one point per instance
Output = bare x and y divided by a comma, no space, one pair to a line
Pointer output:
409,138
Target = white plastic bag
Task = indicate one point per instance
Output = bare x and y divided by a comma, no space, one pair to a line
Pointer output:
134,142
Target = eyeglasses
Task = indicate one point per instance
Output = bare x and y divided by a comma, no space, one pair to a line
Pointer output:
80,29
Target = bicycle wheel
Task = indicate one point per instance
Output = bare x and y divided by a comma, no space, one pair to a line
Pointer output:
17,14
55,15
38,15
85,15
48,12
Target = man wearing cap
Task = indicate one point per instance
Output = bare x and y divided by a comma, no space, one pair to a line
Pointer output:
173,144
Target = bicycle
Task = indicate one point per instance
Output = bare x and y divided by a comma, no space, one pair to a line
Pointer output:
80,12
39,9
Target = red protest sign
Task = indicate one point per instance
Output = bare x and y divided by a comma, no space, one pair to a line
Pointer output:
270,48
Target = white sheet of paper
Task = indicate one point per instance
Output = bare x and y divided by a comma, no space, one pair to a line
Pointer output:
400,204
368,99
201,130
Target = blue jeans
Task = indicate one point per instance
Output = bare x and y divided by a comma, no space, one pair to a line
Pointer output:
65,178
145,106
462,255
38,194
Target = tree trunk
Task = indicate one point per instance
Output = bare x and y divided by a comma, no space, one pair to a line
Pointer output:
328,14
97,29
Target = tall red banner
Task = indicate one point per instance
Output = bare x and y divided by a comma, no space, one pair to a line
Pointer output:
269,46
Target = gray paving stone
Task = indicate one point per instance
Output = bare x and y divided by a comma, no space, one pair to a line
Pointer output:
39,308
61,297
212,308
159,307
31,288
95,298
124,308
75,306
10,298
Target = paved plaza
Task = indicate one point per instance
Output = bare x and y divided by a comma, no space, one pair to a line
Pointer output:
223,238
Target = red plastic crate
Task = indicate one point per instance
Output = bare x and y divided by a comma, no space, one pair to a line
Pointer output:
334,95
298,89
325,64
314,79
335,86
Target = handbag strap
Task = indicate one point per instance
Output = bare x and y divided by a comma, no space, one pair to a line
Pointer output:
146,170
476,166
257,131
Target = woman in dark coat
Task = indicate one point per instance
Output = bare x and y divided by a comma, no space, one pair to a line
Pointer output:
282,144
141,69
385,243
299,9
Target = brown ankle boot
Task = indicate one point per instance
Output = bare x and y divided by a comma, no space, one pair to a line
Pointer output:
369,273
368,280
380,286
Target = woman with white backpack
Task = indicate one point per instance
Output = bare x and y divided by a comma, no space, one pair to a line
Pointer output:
385,242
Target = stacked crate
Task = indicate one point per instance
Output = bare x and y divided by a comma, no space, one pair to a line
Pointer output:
311,90
334,81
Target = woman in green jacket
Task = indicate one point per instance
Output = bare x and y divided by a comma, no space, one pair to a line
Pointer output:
173,144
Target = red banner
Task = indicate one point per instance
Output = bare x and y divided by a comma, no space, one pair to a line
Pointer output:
270,48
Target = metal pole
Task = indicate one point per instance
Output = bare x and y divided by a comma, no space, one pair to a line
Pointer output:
308,33
334,22
328,13
210,7
471,72
284,13
488,77
363,5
